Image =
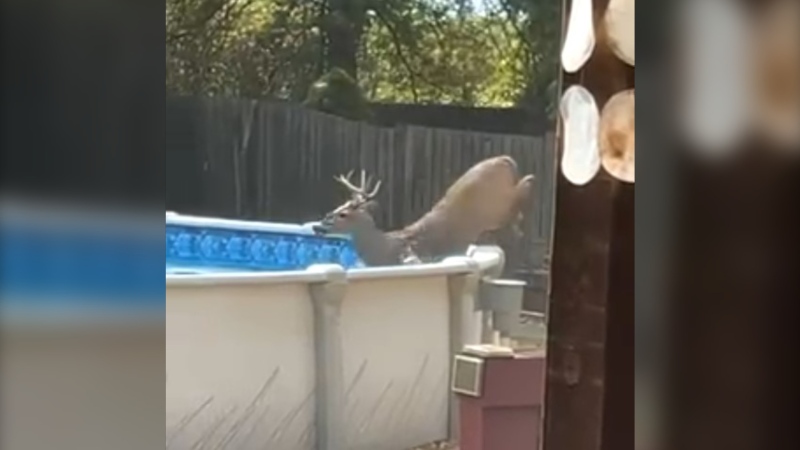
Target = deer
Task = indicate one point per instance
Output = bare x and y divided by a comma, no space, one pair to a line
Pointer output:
488,197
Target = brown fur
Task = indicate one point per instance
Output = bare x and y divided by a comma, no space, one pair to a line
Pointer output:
488,197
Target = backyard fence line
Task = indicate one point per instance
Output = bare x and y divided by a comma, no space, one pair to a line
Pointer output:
275,161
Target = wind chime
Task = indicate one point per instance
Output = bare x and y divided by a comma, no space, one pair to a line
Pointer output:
595,139
740,75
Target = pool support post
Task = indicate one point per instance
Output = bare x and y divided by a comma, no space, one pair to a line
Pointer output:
329,394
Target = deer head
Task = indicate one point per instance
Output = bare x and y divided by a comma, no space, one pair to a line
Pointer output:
356,213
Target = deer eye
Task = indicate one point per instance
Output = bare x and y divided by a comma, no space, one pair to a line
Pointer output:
342,214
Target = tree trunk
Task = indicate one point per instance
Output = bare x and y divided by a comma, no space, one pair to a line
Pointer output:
344,28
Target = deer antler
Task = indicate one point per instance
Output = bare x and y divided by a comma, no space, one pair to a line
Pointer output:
359,192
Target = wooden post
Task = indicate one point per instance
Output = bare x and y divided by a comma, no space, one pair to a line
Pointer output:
590,316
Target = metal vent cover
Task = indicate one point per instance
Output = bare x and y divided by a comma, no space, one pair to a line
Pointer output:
467,375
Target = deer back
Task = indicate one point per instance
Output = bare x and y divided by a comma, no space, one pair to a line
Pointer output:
481,199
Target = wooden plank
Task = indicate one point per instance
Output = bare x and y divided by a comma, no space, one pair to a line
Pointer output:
589,231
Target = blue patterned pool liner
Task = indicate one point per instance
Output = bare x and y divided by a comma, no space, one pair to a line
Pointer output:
196,244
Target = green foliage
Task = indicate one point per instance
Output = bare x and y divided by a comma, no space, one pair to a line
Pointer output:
247,48
467,61
424,51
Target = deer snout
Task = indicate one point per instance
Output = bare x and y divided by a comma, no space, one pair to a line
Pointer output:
324,226
320,230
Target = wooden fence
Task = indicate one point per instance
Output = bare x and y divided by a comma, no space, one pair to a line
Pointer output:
275,161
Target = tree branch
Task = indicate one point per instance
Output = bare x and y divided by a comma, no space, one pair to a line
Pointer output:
396,41
214,8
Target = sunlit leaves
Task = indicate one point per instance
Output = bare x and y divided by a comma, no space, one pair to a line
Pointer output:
450,60
469,52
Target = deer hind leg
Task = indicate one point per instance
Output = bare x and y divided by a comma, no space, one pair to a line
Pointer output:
522,197
517,210
524,192
516,227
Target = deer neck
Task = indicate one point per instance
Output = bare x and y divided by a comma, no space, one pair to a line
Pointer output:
375,247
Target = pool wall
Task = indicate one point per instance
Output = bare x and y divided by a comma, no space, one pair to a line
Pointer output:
321,358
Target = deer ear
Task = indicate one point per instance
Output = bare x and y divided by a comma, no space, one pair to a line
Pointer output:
372,207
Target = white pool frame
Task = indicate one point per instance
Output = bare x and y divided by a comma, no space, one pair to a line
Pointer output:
320,359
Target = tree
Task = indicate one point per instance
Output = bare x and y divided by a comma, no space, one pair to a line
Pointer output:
337,93
503,53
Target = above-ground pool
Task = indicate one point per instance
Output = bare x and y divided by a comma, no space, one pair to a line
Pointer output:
203,245
280,339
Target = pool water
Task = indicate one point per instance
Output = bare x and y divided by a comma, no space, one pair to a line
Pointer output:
205,249
84,258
